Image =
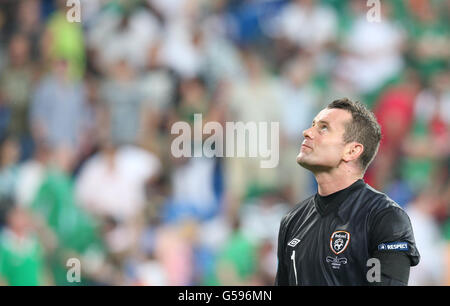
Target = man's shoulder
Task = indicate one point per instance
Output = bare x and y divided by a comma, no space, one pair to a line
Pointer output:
377,200
381,206
390,226
298,209
367,202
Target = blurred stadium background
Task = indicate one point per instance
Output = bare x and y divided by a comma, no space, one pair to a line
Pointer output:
86,110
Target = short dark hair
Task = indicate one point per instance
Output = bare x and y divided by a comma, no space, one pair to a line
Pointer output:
363,128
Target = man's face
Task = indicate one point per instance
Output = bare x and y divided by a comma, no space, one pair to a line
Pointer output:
323,146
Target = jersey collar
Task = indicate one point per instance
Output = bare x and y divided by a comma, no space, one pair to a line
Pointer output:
330,203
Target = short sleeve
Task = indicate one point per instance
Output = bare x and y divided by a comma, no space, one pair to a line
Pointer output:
390,231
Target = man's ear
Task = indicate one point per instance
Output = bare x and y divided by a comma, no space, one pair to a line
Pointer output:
353,151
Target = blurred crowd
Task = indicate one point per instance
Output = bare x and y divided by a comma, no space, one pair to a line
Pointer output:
86,110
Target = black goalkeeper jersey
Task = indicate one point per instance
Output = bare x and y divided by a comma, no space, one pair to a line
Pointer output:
328,240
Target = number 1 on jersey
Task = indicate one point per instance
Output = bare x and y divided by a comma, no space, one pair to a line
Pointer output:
295,270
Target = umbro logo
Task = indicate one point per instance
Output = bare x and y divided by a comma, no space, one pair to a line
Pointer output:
294,242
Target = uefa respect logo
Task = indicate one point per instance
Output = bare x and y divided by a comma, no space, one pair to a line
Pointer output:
235,140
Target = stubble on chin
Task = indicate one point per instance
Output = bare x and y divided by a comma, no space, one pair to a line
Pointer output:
301,161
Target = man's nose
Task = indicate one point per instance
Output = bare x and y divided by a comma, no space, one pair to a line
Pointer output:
307,133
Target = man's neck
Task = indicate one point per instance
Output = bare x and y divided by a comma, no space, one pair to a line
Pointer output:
330,183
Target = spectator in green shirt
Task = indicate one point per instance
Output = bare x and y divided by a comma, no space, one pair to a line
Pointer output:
75,231
21,253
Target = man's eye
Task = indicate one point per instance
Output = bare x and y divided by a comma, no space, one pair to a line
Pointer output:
323,127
